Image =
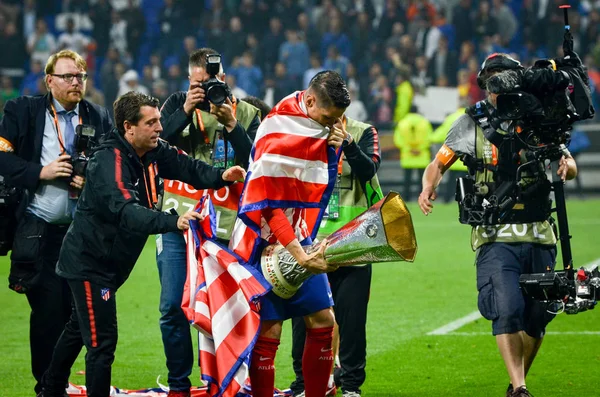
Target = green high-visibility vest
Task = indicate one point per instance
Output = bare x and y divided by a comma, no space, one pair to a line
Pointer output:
412,136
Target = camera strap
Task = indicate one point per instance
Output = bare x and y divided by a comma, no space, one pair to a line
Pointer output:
57,126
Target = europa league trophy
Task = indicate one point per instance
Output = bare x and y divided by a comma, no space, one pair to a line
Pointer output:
383,233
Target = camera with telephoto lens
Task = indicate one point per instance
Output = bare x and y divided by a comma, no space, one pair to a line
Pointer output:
84,142
216,91
10,197
575,294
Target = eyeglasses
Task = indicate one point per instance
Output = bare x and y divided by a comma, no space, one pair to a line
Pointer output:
68,77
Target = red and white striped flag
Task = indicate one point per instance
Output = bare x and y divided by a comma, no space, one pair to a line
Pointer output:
220,300
292,168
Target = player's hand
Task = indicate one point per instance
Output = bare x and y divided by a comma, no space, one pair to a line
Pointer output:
235,173
195,95
183,223
563,168
337,134
224,114
59,168
316,263
425,198
77,182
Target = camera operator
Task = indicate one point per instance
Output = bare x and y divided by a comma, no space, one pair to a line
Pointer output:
503,251
117,213
218,135
37,149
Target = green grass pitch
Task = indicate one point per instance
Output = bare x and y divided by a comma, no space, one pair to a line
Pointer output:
407,302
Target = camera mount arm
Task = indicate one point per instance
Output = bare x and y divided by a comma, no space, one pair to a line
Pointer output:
563,224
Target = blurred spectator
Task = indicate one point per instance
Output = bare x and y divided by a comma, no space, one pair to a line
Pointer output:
253,46
215,22
308,32
336,37
118,32
444,62
29,86
147,78
404,93
321,14
130,82
10,9
156,66
506,19
73,40
92,93
7,91
357,109
28,18
252,20
189,45
421,7
41,44
353,8
467,51
315,67
396,36
287,11
159,90
176,80
169,20
283,85
248,75
234,37
110,84
108,66
136,27
352,81
335,61
13,52
361,34
591,34
270,45
462,19
380,102
394,12
100,14
294,54
485,24
420,78
425,35
237,92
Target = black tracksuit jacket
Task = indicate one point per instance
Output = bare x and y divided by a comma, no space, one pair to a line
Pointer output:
116,211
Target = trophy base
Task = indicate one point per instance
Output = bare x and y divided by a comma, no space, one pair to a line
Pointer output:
271,270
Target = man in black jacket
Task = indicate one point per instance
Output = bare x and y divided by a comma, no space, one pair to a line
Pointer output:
116,214
218,135
37,144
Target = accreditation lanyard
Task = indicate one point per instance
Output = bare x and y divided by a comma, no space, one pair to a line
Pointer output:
333,208
201,127
58,132
151,195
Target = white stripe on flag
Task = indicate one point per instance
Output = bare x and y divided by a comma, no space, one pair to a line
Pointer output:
206,344
202,308
291,125
278,166
228,315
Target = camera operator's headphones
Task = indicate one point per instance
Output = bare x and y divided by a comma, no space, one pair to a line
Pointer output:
496,61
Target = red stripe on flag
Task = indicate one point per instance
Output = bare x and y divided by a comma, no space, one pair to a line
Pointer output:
119,176
88,301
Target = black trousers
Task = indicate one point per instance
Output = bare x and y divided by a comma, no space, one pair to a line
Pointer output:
350,287
50,299
93,324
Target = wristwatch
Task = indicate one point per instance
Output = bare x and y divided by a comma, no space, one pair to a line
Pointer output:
347,140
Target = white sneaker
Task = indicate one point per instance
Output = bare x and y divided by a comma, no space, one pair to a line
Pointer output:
351,394
300,395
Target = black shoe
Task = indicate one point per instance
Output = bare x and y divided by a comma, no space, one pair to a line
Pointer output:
509,390
521,392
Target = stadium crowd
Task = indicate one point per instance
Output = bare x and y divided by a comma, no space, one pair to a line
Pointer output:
271,48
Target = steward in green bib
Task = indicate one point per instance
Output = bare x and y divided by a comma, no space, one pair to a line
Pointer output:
220,135
357,188
523,243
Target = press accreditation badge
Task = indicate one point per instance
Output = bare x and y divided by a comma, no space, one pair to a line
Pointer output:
219,155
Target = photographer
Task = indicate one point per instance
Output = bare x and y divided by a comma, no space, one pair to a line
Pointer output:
524,244
39,139
218,134
116,215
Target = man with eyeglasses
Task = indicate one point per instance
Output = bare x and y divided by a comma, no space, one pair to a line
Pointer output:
37,145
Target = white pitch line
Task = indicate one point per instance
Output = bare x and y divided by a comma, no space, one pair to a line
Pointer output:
456,324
